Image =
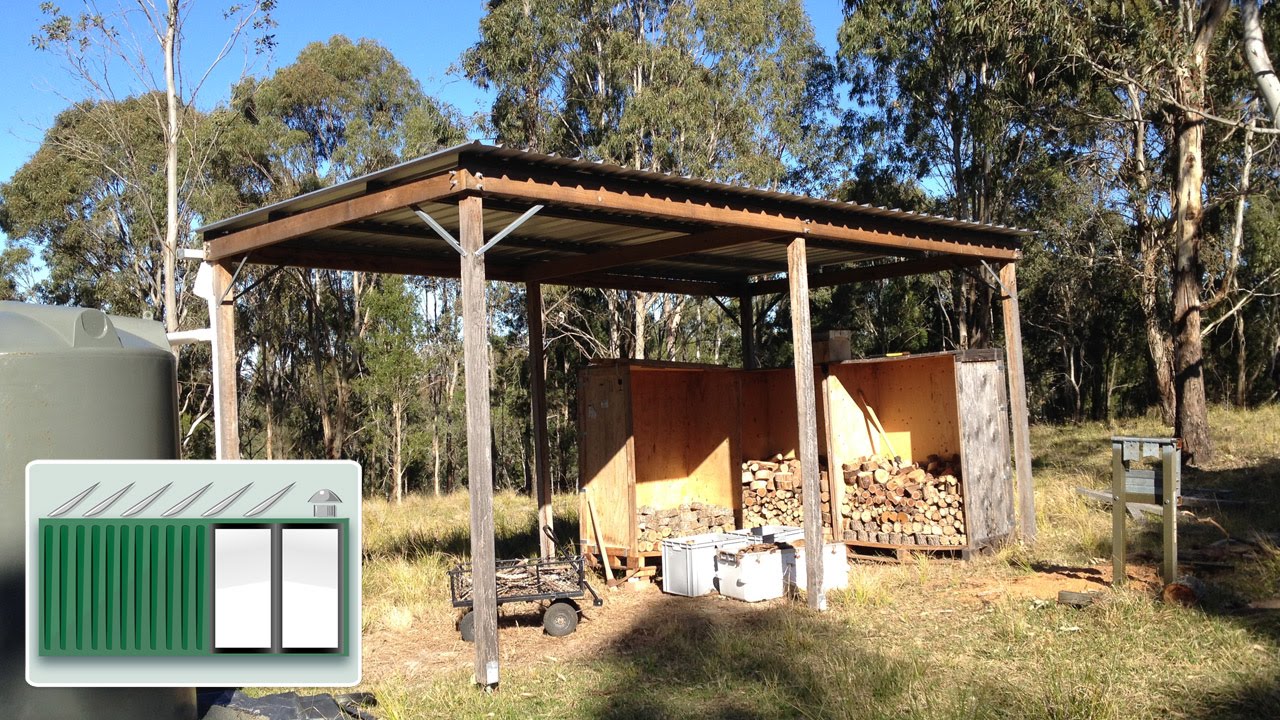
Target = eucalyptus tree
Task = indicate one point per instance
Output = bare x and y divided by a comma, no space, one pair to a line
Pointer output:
341,109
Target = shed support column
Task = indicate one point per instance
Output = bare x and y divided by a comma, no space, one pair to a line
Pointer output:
1018,404
538,409
226,411
747,321
475,353
807,419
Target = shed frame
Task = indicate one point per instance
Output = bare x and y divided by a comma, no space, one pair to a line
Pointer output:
609,227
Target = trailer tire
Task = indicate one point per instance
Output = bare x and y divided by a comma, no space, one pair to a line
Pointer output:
467,626
560,619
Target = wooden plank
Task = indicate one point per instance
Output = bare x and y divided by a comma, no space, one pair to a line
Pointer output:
538,419
806,418
606,458
669,206
239,242
475,351
984,452
226,413
747,326
867,273
644,252
685,434
1018,405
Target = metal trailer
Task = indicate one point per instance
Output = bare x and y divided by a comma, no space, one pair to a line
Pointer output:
559,581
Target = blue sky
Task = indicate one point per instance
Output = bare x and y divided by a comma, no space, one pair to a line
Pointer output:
428,37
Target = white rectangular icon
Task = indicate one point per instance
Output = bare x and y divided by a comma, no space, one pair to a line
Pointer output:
242,588
311,581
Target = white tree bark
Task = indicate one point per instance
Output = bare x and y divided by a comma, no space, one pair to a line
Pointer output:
1255,53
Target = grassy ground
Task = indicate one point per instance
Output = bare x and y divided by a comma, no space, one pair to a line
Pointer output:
928,639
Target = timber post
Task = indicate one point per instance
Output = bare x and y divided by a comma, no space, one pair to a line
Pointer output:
807,420
475,350
538,410
226,412
1018,404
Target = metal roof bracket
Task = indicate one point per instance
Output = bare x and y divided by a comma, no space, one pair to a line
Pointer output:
509,228
439,229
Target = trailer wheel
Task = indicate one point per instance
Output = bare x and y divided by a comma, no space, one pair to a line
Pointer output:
560,619
467,626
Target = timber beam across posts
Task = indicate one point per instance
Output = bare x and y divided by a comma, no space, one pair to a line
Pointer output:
1018,405
475,351
538,410
868,233
866,273
645,252
807,421
226,412
272,232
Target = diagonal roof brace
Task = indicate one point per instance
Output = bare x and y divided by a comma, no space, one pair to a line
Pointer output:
444,234
508,229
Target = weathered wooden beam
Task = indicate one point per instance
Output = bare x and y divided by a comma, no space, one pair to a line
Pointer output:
867,273
226,413
538,411
807,420
924,237
1018,405
645,252
446,266
239,242
475,352
747,323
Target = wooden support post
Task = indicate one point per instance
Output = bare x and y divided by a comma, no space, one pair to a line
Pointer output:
538,410
1118,508
747,321
1018,405
1170,466
475,353
222,319
807,419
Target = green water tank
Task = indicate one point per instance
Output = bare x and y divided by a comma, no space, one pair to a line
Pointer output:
75,384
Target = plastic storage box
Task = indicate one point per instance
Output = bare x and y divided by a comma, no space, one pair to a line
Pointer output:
772,533
835,567
689,563
752,576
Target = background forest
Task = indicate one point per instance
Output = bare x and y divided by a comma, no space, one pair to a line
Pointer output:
1080,120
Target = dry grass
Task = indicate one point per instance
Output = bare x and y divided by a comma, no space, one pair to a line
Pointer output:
927,639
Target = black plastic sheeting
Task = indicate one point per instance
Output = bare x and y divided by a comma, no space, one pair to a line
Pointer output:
232,704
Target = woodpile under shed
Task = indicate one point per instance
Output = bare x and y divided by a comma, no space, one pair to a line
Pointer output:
655,525
904,503
773,493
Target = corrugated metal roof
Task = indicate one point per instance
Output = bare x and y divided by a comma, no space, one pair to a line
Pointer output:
396,240
449,158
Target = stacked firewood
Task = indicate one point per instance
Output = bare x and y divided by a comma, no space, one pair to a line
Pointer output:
904,503
693,518
773,492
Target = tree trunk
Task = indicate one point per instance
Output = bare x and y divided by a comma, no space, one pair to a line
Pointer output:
1192,420
642,315
171,173
1242,375
1255,54
397,446
435,460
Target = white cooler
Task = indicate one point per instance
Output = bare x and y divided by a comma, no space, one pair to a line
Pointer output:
689,563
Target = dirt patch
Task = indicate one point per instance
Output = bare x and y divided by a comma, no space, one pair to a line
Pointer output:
1048,580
